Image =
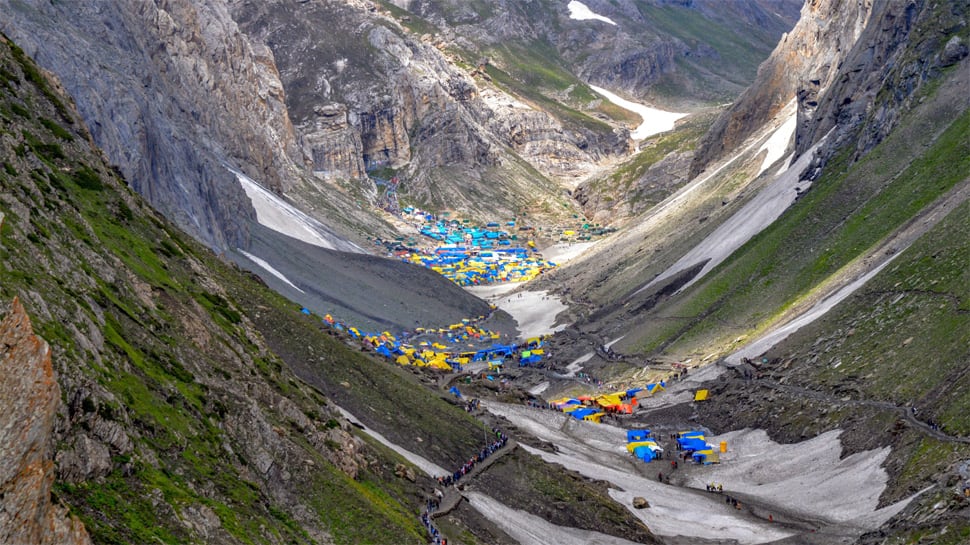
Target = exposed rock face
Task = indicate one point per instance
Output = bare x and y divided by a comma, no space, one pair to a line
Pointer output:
179,92
30,398
905,44
381,97
334,146
804,63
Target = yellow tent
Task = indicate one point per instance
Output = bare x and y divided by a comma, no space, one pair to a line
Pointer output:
701,395
595,417
631,446
403,360
609,399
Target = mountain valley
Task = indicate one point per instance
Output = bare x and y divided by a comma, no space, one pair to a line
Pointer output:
423,271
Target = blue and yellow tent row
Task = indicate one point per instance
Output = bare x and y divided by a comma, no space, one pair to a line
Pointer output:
466,267
623,402
435,354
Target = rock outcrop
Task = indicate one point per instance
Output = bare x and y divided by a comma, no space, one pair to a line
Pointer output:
804,63
179,93
905,45
30,398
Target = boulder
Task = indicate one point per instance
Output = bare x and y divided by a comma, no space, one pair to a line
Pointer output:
640,502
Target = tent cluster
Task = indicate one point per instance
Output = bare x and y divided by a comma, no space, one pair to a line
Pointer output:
640,444
434,354
578,409
693,443
423,354
455,232
622,402
469,267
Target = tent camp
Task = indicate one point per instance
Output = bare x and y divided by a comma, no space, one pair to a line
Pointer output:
630,447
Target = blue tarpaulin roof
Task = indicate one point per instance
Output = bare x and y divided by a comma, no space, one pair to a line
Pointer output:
636,435
644,453
690,444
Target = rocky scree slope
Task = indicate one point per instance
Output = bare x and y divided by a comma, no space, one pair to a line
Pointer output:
195,404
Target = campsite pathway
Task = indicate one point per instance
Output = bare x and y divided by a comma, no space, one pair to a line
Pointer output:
452,496
904,412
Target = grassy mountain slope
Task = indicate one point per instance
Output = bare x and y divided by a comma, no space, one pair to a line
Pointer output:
199,404
847,211
179,424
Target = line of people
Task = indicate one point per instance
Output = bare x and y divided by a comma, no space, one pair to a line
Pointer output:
500,441
433,504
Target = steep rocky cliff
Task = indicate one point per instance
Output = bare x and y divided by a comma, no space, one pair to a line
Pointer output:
31,400
670,51
173,92
804,63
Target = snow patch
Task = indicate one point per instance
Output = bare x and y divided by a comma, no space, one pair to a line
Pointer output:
809,479
269,268
562,252
764,343
580,12
757,214
276,214
598,451
577,364
539,388
654,121
777,144
529,529
534,311
614,341
430,468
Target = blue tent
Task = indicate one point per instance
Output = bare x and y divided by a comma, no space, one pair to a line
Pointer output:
686,434
644,453
637,435
454,390
691,444
578,414
305,310
633,392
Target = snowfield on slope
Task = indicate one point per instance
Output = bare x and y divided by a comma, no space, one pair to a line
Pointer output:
269,268
529,529
282,217
654,121
580,12
757,214
535,312
834,490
